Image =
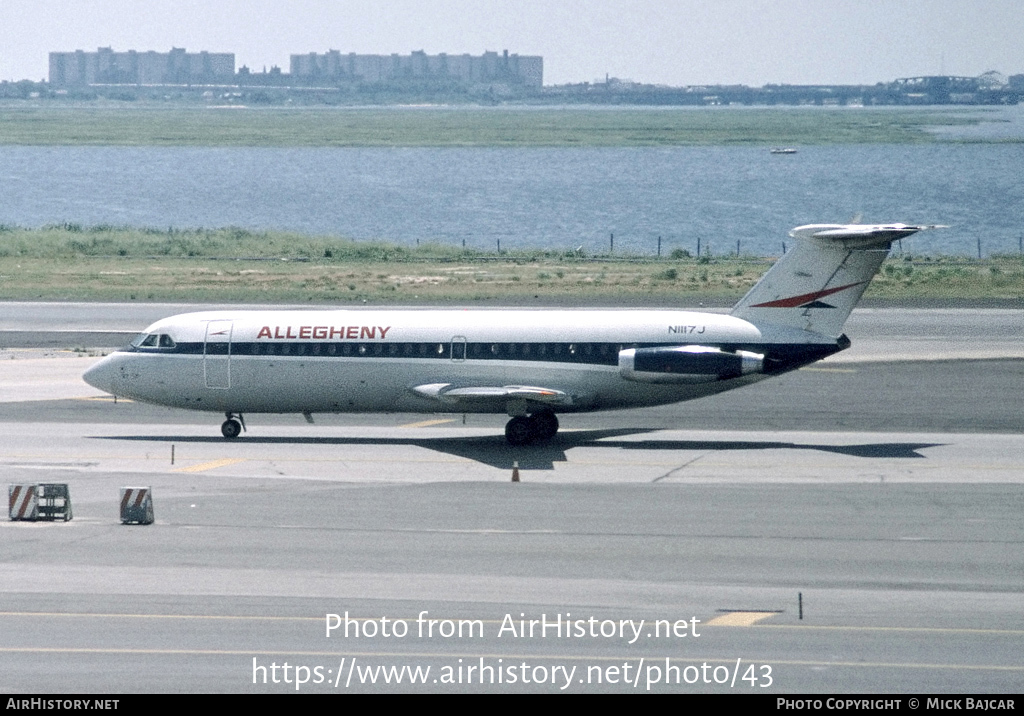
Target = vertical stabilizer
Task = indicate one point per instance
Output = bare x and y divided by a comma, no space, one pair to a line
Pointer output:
815,286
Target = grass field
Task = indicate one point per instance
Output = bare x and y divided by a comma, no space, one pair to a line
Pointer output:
233,265
132,125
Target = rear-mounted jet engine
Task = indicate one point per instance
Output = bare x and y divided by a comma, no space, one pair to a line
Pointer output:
686,364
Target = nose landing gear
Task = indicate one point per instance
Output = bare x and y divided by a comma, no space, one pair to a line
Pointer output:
539,427
232,428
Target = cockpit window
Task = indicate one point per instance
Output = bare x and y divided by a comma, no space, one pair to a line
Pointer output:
153,340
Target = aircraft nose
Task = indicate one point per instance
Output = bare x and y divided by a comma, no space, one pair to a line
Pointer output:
101,375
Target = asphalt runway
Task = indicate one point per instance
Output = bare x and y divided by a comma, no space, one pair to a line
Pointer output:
853,527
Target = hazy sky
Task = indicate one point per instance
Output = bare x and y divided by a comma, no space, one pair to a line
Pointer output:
676,42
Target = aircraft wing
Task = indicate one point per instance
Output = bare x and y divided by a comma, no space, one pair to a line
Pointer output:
452,394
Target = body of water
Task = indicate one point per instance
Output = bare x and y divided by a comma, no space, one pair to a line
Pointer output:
532,198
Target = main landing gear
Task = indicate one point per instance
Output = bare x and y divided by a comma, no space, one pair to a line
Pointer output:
538,427
232,428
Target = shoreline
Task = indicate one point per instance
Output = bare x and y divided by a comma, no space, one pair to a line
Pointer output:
231,266
506,126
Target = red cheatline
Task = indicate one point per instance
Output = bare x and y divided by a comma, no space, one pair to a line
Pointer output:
797,301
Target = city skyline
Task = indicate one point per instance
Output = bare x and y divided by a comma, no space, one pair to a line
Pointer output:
750,42
107,66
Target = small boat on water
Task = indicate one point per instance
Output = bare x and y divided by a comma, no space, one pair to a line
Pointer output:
782,150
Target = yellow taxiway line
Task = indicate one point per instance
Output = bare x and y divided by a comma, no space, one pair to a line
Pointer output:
741,619
427,423
213,464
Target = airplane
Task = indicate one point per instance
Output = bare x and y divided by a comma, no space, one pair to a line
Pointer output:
531,364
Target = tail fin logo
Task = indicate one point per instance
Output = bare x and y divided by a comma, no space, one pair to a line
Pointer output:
807,300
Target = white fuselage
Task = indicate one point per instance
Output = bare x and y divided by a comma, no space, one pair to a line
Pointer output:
379,361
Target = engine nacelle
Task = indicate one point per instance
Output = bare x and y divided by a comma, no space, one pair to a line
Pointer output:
686,364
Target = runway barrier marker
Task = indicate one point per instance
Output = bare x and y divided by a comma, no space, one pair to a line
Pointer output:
47,501
136,505
22,502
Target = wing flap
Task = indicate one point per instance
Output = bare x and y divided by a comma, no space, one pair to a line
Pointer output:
471,394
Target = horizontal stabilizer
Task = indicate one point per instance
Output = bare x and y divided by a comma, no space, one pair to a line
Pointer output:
861,236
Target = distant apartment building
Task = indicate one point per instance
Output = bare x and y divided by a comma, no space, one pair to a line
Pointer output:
177,67
491,67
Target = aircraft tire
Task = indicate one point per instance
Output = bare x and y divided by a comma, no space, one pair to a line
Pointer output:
231,429
519,431
545,425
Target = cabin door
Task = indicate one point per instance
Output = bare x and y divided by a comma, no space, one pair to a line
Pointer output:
217,354
458,349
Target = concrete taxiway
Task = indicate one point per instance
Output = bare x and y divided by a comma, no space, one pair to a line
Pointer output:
852,527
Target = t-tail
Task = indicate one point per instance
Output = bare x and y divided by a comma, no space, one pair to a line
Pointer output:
816,284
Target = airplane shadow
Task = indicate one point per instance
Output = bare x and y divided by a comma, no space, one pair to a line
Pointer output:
492,450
